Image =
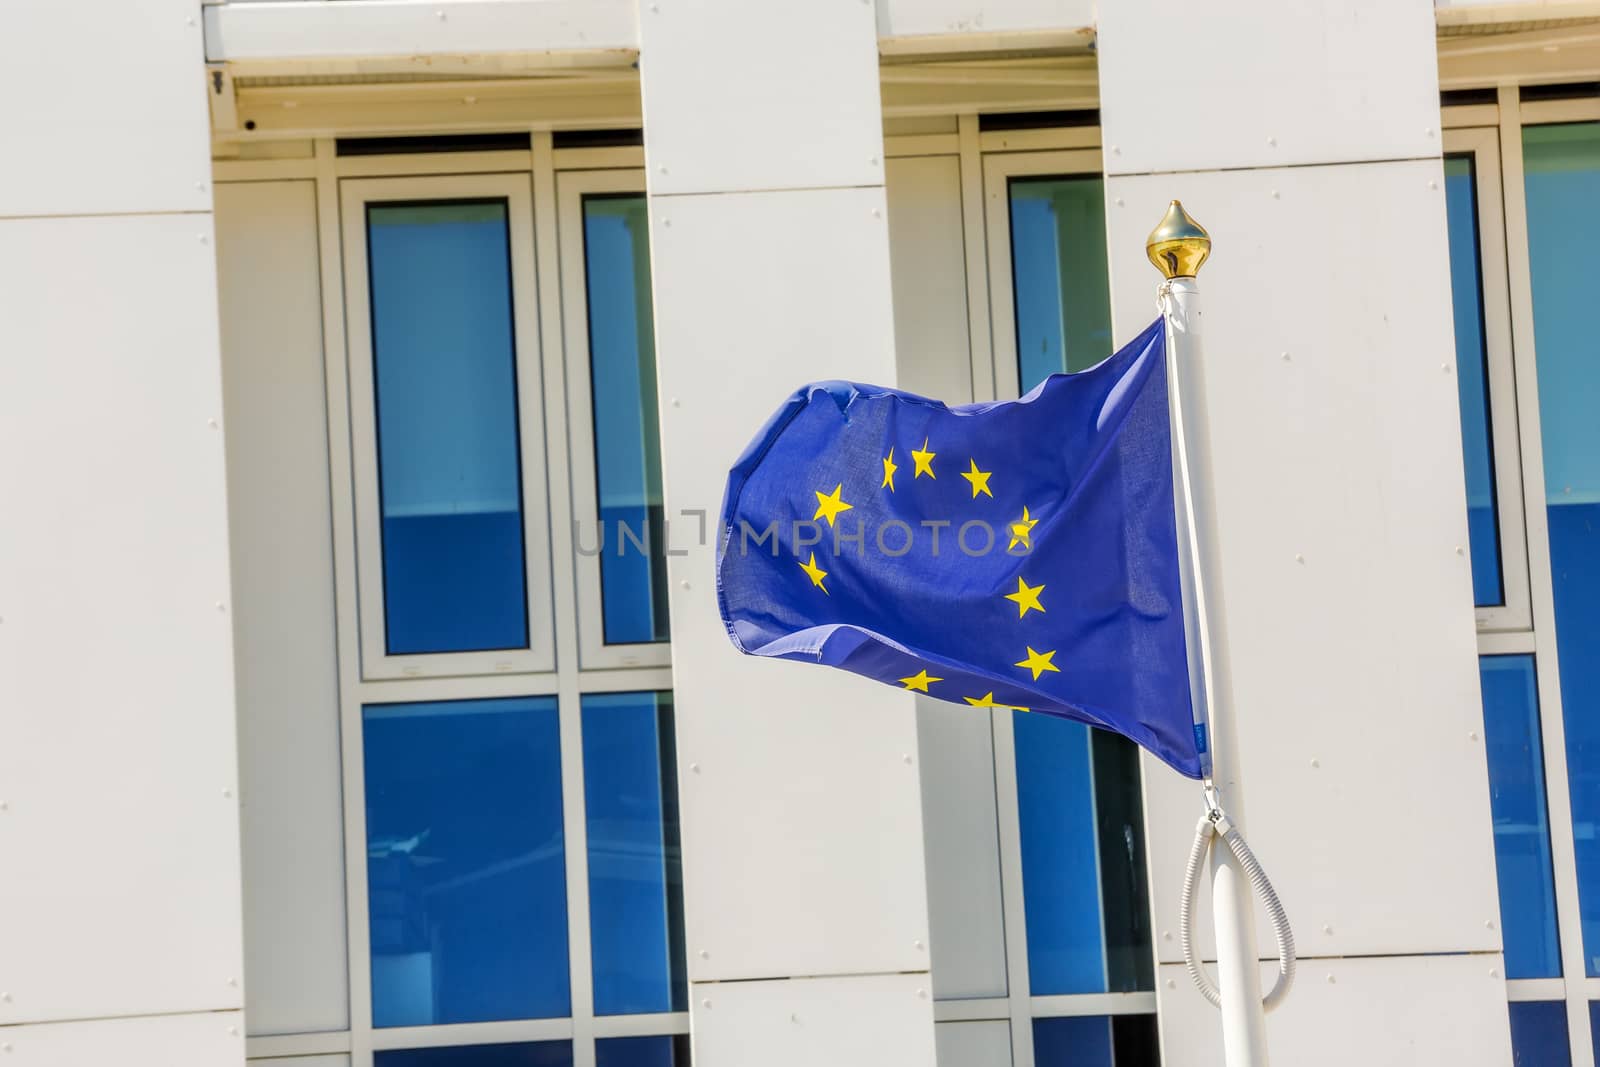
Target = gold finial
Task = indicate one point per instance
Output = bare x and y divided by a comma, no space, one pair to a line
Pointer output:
1178,245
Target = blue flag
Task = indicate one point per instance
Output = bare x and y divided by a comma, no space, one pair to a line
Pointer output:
1019,554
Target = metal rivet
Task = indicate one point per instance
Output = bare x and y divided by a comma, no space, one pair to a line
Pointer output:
877,214
5,805
1327,929
873,161
1166,935
233,982
439,15
227,793
1459,551
1119,201
905,757
1494,972
1298,558
794,1016
705,1004
694,768
704,954
655,9
1472,735
917,945
233,1031
923,993
1428,131
1316,763
1433,184
1488,924
189,21
1330,979
1445,367
211,423
666,222
204,239
684,583
1271,141
676,402
6,997
1116,151
221,606
1286,357
1275,194
661,170
199,187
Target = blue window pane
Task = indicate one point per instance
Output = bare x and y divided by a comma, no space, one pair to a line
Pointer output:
1539,1034
627,434
465,862
1472,368
642,1051
635,876
533,1054
1058,267
1082,858
1562,167
1594,1027
1521,823
1096,1041
449,474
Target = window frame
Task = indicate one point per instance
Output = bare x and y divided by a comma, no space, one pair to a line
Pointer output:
998,170
356,194
571,189
1482,144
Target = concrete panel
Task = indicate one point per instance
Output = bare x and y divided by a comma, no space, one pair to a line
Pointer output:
260,31
284,634
754,294
1275,83
962,842
199,1039
976,1044
927,254
705,133
859,1021
126,84
1395,1011
1345,589
117,750
919,18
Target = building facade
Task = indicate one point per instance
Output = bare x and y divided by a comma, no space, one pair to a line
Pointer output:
387,719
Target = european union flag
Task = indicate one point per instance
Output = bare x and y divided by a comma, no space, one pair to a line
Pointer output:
1019,554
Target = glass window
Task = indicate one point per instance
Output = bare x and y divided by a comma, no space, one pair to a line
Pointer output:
1521,824
627,435
449,472
465,862
1058,263
1095,1041
529,1054
642,1051
1562,168
635,875
1472,377
1539,1034
1083,877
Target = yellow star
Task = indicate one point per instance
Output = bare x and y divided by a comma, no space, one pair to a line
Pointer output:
1039,662
919,681
816,572
987,701
829,504
924,461
1021,530
888,471
1026,597
979,480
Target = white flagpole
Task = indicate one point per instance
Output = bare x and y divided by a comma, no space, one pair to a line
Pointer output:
1178,246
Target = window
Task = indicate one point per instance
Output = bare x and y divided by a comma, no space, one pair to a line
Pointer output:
1518,223
511,848
621,530
1033,827
447,426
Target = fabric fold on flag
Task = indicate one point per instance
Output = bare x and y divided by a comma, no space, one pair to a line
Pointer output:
1018,554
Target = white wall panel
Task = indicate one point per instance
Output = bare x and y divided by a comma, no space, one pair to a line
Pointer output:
284,639
332,1059
707,130
962,843
846,1021
975,1044
1282,82
468,28
87,91
780,818
927,255
918,18
1396,1011
1345,588
199,1039
117,749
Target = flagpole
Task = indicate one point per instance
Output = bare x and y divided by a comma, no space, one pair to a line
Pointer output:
1178,247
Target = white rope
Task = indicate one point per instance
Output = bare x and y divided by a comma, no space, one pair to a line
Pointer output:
1214,824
